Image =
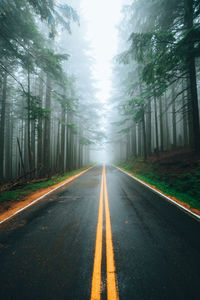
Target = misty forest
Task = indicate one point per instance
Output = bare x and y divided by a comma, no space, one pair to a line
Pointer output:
99,149
61,109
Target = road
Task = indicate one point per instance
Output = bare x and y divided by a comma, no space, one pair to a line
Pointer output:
103,236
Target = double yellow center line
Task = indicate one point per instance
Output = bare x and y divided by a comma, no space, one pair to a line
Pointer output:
112,292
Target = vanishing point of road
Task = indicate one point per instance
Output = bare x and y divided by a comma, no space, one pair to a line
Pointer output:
102,236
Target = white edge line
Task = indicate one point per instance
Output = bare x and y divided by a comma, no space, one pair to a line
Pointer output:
197,217
30,204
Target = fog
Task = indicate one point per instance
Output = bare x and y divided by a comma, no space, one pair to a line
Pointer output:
88,81
102,18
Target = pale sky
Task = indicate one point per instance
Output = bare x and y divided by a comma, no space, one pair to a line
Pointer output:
102,16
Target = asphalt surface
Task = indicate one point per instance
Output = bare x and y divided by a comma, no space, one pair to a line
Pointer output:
47,251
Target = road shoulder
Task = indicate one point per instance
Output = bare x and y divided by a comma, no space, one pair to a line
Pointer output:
195,213
10,209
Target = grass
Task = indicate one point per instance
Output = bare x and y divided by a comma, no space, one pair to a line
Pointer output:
20,193
185,186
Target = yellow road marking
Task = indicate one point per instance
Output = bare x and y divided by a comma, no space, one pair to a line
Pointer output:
96,278
112,292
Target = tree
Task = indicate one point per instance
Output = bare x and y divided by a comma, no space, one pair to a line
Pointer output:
162,39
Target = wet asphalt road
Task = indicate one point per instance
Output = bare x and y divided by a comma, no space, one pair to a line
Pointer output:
47,251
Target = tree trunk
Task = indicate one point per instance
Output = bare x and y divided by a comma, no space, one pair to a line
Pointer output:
144,136
68,142
47,130
33,145
156,126
39,129
127,146
139,140
184,116
167,139
2,126
8,144
189,16
30,159
62,139
58,150
161,125
134,143
148,127
174,119
25,145
21,157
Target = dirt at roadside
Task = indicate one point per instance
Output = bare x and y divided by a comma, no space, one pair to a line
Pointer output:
7,209
178,162
175,162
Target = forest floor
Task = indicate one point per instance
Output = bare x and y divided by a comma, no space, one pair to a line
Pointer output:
176,174
16,197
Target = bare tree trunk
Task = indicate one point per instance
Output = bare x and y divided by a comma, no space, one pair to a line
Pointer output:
8,143
25,145
58,150
63,139
189,17
156,126
71,149
30,158
167,124
161,125
47,130
33,145
184,116
127,146
139,140
21,157
148,129
144,136
174,119
39,128
2,126
134,152
68,142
